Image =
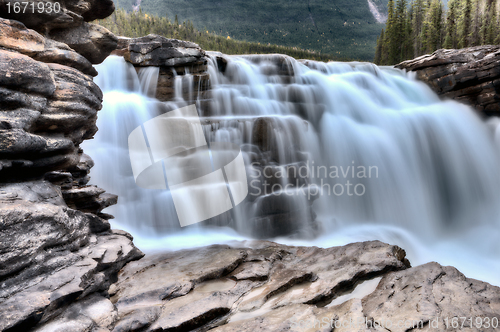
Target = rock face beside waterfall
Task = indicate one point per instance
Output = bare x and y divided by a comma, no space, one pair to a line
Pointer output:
470,75
69,25
273,287
56,247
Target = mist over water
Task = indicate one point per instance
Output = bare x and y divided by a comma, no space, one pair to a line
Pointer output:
434,186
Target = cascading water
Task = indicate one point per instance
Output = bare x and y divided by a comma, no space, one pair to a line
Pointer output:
413,170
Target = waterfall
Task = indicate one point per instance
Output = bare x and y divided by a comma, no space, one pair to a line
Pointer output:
386,158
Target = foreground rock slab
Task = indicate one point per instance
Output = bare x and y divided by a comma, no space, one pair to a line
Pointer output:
264,286
469,75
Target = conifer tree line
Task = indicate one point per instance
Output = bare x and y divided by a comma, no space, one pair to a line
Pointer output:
423,26
138,24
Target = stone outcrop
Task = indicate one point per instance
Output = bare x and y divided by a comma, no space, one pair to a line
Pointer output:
154,50
470,75
273,287
92,41
173,58
69,24
56,246
52,255
48,107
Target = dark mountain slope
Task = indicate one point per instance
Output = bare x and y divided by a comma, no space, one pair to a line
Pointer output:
344,28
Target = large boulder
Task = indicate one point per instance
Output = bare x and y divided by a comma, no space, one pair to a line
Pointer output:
470,75
48,110
155,50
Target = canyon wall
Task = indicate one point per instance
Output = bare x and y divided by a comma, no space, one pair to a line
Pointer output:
56,247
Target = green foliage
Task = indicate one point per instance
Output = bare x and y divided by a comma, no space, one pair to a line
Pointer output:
492,32
141,24
451,39
344,28
423,26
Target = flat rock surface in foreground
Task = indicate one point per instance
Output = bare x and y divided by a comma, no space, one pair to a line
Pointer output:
365,286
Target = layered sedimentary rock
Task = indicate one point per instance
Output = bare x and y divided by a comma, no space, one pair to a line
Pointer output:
470,75
56,246
366,286
66,22
173,57
52,255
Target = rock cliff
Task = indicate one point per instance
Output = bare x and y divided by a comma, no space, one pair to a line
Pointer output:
56,247
470,75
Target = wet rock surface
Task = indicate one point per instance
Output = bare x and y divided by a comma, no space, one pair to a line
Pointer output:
470,75
173,58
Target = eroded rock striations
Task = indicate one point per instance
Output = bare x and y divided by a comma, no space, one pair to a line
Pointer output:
56,247
469,75
173,57
273,287
68,23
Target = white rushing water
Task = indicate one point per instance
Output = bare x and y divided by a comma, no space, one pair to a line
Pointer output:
430,182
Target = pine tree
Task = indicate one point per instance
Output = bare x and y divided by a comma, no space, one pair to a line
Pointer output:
408,42
418,9
400,31
485,20
435,26
391,35
475,35
451,25
464,38
379,49
492,30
